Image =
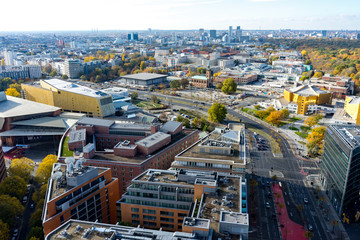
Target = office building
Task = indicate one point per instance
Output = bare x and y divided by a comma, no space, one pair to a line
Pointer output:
340,171
10,58
73,68
128,147
222,151
133,37
79,192
306,95
144,79
70,97
202,203
2,164
238,33
324,33
229,34
21,72
78,230
212,33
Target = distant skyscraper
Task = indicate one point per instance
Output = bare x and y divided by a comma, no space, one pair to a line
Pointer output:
238,33
201,31
324,33
230,34
212,33
10,57
133,36
358,36
149,29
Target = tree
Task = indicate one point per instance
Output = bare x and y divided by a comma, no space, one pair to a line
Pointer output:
308,62
175,84
134,95
311,121
184,83
2,62
142,65
318,75
37,232
284,113
229,86
219,85
10,208
39,195
43,173
217,112
83,78
47,68
274,118
201,70
309,234
16,86
195,122
155,99
21,167
14,186
236,62
4,231
35,219
262,114
12,92
53,73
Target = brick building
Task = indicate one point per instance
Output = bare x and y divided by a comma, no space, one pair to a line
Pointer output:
187,201
130,148
80,192
239,79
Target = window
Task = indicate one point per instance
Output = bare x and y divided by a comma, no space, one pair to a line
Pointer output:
149,211
163,219
167,213
134,209
148,217
136,222
135,216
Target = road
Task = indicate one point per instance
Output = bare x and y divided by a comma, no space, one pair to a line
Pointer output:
289,166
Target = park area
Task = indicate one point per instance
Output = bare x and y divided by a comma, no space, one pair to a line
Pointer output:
147,105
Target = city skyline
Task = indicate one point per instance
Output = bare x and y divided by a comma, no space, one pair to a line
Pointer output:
181,15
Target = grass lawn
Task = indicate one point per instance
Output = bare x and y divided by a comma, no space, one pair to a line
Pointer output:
302,134
305,129
294,119
65,149
147,105
294,128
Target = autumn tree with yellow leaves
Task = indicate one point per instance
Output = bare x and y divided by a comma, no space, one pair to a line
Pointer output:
43,173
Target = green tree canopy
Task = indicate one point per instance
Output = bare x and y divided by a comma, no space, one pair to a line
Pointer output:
43,172
229,86
175,84
21,167
53,73
37,232
10,208
4,231
217,112
14,186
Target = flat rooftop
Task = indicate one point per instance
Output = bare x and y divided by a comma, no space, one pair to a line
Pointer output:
77,230
144,76
349,134
14,107
58,183
153,139
77,135
96,122
75,88
194,151
102,156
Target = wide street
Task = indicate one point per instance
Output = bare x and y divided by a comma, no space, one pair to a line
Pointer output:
262,162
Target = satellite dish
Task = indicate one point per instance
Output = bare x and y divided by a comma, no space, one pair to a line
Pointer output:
69,160
56,175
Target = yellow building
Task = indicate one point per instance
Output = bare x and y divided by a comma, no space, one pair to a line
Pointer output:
70,97
306,95
352,108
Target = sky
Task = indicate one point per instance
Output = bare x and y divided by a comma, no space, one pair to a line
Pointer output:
50,15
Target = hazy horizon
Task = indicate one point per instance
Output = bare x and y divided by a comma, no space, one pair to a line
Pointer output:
138,15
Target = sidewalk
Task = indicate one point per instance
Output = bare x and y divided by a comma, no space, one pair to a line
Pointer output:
327,210
290,229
